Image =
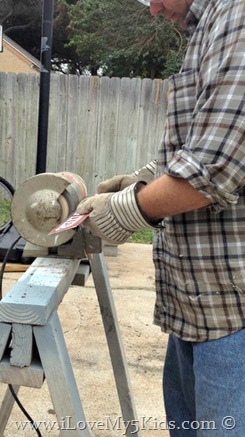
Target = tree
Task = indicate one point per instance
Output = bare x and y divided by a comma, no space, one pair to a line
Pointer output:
21,21
109,37
119,38
65,57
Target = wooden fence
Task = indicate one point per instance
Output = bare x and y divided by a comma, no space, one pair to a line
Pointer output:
98,127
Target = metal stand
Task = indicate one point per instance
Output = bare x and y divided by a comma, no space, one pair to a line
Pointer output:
29,312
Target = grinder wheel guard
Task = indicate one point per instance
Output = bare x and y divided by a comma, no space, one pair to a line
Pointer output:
44,201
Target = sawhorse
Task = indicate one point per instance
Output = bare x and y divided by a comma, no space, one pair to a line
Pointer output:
28,318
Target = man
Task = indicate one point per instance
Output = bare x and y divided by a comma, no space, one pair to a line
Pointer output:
196,203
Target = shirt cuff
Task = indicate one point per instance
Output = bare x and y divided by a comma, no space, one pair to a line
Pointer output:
187,166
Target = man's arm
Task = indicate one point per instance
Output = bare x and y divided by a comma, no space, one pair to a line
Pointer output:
168,196
115,216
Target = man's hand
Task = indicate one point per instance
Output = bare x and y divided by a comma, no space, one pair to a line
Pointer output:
119,182
114,216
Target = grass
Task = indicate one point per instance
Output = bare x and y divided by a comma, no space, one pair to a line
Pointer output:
143,237
4,212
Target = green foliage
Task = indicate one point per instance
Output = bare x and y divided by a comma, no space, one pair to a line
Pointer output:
4,212
173,64
110,37
143,237
65,57
120,38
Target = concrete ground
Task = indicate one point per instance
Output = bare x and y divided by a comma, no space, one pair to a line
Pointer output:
131,276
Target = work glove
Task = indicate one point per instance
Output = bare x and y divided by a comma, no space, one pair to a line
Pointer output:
115,216
119,182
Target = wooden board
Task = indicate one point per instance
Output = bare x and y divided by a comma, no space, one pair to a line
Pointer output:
59,374
32,376
15,267
6,408
39,291
5,330
21,346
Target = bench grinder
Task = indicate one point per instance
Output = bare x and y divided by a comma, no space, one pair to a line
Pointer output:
43,202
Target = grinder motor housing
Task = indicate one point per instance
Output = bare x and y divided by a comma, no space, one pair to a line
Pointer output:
44,201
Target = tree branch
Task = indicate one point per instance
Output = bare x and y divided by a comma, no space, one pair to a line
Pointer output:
7,16
17,27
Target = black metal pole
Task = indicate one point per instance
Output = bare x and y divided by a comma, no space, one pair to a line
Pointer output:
46,53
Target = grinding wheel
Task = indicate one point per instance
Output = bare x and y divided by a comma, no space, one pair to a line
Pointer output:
44,201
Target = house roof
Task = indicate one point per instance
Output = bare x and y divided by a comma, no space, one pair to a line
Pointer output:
19,51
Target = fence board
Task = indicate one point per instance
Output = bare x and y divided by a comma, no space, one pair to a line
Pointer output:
6,125
128,114
3,124
54,125
57,144
32,104
72,123
98,127
21,126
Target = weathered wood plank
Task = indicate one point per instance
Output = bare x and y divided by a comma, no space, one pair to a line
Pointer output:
39,291
7,125
59,374
72,123
128,121
133,108
54,126
145,129
5,330
6,407
88,132
14,267
160,103
21,345
32,107
3,125
21,126
61,146
114,341
107,138
31,376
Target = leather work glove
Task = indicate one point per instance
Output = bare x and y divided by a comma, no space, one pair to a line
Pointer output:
114,216
118,183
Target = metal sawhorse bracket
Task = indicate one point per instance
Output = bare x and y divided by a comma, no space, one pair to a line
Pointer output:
29,321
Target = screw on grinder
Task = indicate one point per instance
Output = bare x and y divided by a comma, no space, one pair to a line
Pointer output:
44,201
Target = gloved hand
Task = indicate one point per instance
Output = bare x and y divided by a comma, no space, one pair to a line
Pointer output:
114,216
118,183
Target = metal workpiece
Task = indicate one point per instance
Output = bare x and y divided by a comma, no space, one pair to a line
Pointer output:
44,201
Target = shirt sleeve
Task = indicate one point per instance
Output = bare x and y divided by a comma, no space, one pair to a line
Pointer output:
212,158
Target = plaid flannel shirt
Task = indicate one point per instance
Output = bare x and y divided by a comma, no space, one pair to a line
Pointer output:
200,256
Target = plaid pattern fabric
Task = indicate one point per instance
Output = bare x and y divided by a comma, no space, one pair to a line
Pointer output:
200,256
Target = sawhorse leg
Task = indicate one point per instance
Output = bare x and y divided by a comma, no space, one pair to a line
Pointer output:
114,341
6,408
60,378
